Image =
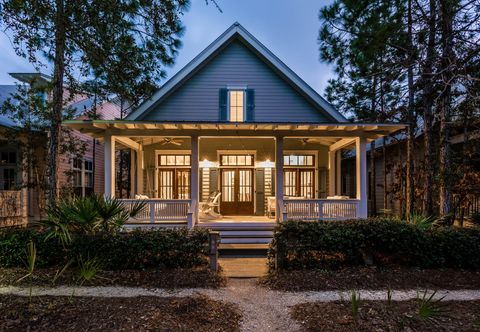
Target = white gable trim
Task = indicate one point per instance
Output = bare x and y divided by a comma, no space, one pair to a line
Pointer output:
236,28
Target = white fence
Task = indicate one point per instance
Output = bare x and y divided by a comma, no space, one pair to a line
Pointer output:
160,211
320,209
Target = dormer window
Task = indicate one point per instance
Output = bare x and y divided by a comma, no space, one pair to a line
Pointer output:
236,105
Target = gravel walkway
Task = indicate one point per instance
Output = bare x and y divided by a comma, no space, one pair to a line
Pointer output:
262,309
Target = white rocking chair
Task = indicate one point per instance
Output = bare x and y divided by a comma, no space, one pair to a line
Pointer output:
210,208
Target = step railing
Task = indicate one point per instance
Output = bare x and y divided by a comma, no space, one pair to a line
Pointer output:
159,210
320,209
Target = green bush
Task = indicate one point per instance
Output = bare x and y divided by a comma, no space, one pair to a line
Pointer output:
311,245
165,248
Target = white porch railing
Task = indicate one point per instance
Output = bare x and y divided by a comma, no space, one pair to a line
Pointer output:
160,211
320,209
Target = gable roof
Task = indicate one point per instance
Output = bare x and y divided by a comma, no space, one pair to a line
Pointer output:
236,31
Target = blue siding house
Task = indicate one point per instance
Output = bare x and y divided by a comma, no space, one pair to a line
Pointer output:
236,137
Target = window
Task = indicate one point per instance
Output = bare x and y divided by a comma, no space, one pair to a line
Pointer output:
174,160
173,176
237,160
299,175
82,177
236,106
299,183
8,170
299,160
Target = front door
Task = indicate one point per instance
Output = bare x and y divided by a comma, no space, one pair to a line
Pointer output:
237,191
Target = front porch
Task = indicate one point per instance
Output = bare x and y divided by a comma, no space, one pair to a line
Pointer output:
202,174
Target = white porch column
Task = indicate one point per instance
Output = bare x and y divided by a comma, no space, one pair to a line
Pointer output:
279,178
194,177
139,172
361,169
338,173
332,171
109,147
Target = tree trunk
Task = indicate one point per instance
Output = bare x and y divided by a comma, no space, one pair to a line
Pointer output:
373,196
410,189
384,166
57,101
445,199
428,83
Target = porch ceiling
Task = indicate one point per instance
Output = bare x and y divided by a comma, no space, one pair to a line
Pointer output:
98,128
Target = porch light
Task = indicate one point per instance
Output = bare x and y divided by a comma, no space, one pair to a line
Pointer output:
206,164
266,164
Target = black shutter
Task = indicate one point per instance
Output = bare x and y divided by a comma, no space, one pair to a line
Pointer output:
250,104
223,97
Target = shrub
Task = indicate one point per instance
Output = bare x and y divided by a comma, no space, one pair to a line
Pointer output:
165,248
309,245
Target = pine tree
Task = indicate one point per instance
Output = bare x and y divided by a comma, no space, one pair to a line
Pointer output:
125,44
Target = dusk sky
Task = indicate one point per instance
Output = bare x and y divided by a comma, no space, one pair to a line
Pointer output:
288,28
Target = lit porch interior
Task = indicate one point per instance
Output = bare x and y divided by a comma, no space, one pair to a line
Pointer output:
179,168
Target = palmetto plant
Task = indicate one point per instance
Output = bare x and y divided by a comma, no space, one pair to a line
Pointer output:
87,215
422,222
429,308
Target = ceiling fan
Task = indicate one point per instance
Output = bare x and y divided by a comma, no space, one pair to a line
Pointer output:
307,140
171,140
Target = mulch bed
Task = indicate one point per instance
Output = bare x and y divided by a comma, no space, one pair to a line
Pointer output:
49,313
372,278
382,316
177,278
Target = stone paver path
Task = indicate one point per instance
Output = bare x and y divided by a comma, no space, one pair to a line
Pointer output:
262,309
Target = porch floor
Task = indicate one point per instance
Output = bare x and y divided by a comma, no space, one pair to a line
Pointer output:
246,219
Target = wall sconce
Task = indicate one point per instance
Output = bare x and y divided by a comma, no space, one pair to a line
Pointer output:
206,164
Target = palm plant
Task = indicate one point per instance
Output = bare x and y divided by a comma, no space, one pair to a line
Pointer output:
428,307
113,213
421,222
87,215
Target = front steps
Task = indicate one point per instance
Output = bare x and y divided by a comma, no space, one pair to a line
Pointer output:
244,234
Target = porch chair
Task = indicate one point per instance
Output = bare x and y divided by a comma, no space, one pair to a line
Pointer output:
210,209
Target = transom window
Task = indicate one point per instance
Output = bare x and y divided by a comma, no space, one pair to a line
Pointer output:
237,160
236,109
299,160
174,160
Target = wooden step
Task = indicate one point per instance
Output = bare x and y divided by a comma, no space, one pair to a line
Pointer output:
243,246
238,240
246,233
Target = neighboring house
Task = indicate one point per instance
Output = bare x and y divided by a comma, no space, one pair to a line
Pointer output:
237,136
20,202
389,189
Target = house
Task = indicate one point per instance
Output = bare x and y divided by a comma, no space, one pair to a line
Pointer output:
22,183
236,136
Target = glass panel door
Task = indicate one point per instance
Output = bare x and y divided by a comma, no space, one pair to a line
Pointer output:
307,183
165,184
245,185
228,185
183,184
290,183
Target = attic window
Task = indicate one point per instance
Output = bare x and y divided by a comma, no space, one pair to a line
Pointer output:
236,105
